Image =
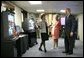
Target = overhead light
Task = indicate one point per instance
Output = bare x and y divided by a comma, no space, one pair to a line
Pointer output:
40,10
63,11
35,2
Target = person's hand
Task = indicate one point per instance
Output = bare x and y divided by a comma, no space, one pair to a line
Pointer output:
49,26
71,34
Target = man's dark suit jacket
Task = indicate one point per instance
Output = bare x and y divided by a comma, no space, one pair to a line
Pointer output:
70,24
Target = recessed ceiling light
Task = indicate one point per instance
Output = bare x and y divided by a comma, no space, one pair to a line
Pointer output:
63,11
40,10
35,2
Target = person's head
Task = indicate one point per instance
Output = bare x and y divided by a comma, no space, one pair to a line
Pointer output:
43,17
32,18
57,17
67,11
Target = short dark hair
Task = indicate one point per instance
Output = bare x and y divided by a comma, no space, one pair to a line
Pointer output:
42,16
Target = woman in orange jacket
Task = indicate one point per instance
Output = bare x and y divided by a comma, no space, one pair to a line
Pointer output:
55,32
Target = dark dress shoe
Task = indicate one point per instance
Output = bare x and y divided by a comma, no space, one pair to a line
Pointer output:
45,51
40,49
69,53
64,52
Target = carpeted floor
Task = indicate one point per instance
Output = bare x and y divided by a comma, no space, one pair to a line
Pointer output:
57,52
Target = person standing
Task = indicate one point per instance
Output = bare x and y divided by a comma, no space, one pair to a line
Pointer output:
44,32
69,32
32,32
55,32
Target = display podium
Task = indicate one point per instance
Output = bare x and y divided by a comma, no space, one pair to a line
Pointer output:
15,47
22,45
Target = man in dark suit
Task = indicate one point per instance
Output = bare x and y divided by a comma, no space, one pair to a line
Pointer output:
69,32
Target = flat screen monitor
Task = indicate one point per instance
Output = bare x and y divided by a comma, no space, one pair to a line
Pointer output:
11,24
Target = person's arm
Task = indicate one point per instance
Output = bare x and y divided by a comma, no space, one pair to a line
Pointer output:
49,26
59,25
39,26
73,26
36,26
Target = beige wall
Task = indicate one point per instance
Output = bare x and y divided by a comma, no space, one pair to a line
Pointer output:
18,16
80,26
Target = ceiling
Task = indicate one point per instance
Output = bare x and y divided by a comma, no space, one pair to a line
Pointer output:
52,6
